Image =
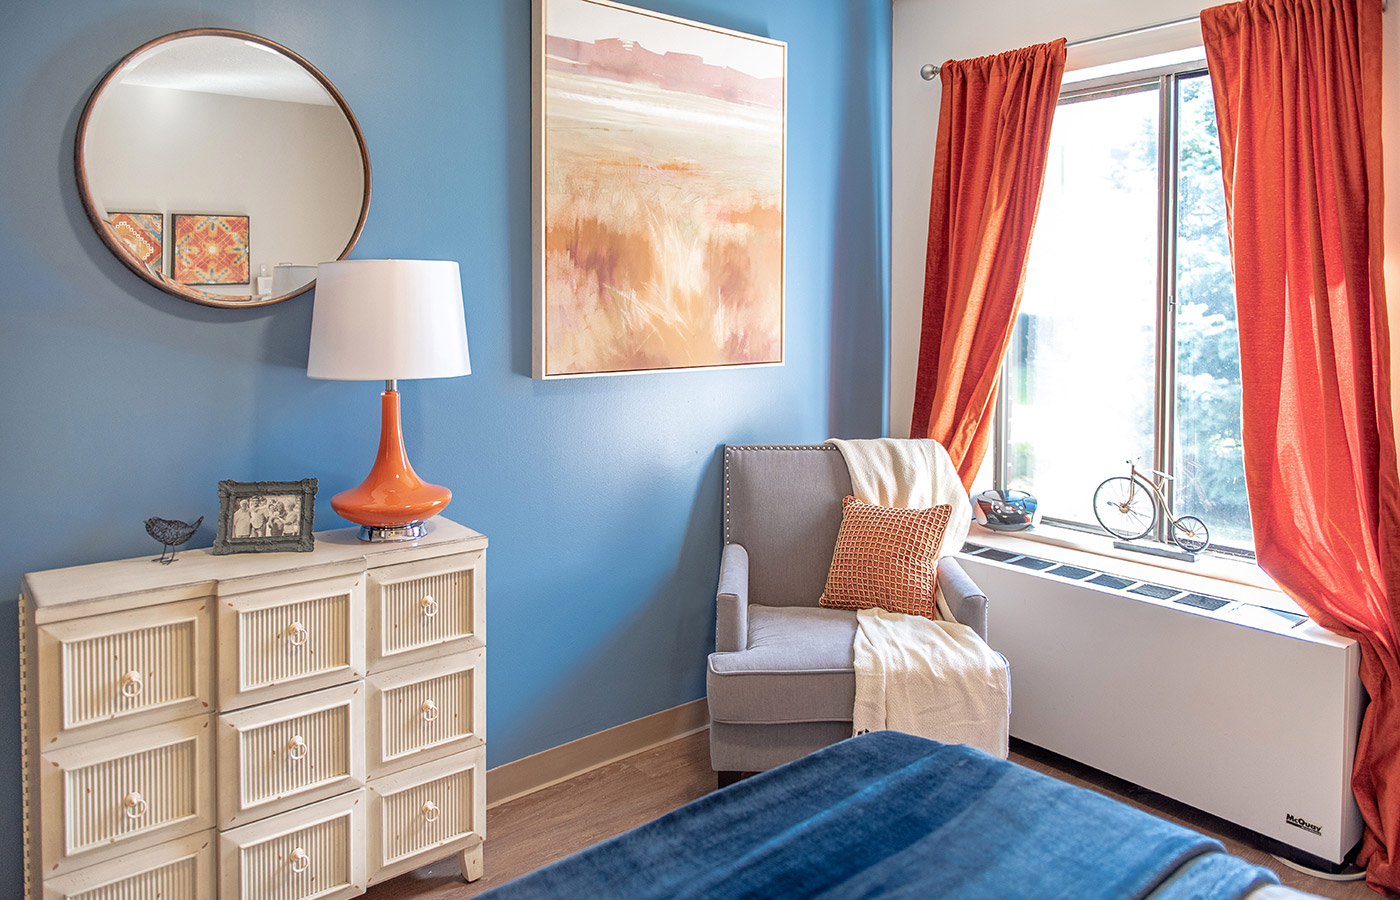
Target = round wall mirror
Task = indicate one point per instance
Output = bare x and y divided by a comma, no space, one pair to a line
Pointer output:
222,167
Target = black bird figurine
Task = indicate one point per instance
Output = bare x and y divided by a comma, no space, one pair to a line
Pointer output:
171,533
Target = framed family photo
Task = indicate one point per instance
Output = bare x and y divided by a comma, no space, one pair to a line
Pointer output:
259,516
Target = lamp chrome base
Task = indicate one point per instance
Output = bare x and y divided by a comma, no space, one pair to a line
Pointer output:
378,534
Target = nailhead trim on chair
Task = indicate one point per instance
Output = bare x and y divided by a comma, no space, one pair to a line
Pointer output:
728,447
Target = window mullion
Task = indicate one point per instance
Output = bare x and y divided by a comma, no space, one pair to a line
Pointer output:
1001,473
1164,405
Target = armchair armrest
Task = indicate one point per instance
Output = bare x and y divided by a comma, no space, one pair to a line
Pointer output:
965,599
732,601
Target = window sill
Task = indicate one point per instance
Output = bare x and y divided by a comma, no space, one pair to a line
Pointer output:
1233,579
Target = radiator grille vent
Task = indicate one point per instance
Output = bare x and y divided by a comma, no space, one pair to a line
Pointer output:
1114,582
1160,592
1201,601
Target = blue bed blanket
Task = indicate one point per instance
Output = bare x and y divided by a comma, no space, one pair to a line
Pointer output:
894,816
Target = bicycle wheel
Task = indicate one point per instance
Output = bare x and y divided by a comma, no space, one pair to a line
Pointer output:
1125,507
1191,534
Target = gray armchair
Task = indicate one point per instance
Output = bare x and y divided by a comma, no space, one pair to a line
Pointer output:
781,682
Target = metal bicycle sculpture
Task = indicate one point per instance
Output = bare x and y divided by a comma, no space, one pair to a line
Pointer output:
1126,506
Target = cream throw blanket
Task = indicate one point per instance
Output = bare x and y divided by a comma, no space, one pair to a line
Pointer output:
935,679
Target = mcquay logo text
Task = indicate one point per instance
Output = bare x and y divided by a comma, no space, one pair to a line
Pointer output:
1302,823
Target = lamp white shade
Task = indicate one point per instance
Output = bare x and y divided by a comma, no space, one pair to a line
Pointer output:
382,319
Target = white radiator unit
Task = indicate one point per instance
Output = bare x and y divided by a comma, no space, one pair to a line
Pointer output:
1246,713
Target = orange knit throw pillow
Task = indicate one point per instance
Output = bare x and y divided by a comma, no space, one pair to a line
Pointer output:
886,557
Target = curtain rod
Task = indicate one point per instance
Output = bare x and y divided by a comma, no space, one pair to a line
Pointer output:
930,70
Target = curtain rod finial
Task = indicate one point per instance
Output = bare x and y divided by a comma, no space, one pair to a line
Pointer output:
929,71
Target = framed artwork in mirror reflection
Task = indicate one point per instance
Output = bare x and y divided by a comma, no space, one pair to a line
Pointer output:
142,235
261,516
210,249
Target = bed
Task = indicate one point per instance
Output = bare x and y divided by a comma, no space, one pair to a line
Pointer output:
894,816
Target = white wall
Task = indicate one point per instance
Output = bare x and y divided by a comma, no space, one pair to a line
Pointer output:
936,30
292,168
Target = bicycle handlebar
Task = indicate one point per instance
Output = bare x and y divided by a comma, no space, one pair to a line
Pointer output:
1133,465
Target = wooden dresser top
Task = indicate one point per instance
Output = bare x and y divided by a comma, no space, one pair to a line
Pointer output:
199,573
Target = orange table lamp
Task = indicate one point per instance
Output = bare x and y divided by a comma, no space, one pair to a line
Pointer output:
389,319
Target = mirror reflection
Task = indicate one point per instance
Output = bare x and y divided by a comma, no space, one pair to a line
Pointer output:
222,167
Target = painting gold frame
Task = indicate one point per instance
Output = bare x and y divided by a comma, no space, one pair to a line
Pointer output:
660,193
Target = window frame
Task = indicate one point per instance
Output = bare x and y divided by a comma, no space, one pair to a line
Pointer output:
1166,80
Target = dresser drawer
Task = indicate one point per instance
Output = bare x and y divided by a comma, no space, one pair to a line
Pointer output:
179,870
106,674
426,711
426,812
105,798
416,609
284,641
284,754
317,851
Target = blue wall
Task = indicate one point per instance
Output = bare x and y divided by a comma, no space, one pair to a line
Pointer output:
601,497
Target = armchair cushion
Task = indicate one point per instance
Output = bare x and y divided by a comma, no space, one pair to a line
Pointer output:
887,557
799,667
783,504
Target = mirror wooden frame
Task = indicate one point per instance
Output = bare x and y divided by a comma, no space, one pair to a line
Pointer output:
105,233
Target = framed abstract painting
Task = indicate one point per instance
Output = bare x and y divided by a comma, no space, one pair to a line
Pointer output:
659,192
209,249
142,236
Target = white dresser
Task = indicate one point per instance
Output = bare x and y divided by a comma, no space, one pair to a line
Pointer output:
275,726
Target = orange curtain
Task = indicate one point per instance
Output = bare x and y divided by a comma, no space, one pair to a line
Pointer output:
1297,98
988,167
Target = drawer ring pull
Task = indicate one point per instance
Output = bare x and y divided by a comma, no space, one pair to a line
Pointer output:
131,686
297,634
428,605
429,711
296,747
301,861
134,805
430,811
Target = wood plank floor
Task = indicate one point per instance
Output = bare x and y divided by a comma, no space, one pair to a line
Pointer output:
549,824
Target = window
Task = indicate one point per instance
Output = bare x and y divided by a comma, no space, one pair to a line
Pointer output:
1126,344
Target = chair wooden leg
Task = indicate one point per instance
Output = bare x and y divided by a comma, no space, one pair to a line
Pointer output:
728,778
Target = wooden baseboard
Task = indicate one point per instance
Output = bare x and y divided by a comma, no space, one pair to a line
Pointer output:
540,770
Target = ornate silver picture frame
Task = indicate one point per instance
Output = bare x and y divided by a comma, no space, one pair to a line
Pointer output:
262,516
